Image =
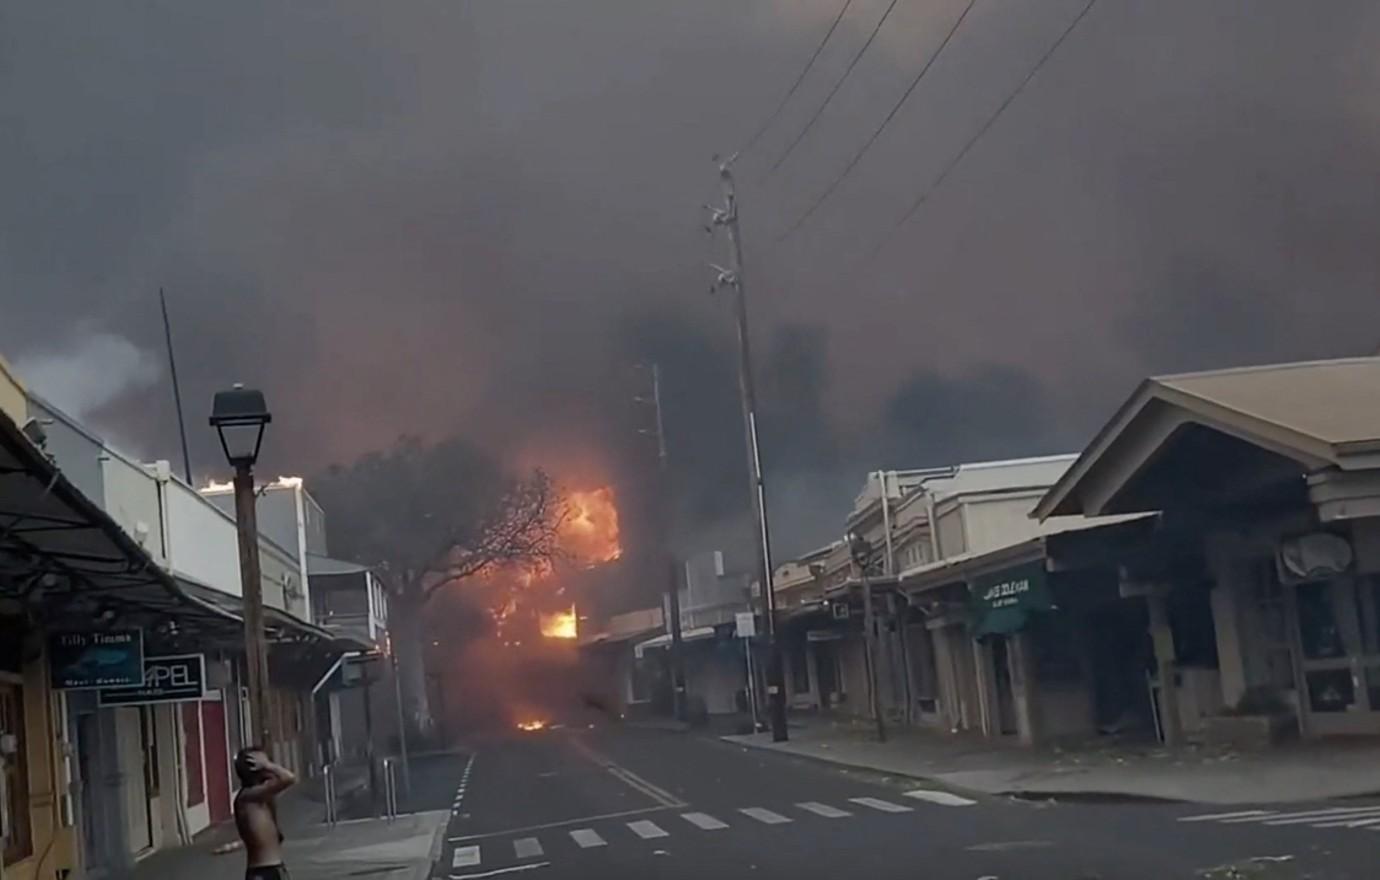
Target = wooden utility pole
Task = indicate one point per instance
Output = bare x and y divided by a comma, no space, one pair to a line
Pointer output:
679,691
732,277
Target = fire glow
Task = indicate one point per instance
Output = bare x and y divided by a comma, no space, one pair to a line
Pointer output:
531,726
589,531
560,625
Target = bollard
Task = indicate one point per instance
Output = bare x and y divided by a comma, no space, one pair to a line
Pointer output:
390,788
328,780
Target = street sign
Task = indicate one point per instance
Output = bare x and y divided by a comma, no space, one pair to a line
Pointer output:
746,623
171,679
88,660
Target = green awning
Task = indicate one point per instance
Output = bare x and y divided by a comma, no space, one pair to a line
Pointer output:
1001,622
1004,600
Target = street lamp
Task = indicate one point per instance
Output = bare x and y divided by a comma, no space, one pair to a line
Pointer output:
862,552
239,417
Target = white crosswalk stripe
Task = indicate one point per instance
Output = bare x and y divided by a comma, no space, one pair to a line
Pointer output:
703,821
647,830
465,857
527,848
943,798
1351,822
766,817
824,810
587,837
1217,817
1308,819
879,804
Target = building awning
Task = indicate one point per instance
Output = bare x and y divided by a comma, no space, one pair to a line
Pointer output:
1004,600
664,640
59,549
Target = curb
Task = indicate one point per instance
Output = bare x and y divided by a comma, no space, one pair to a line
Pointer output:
852,765
438,846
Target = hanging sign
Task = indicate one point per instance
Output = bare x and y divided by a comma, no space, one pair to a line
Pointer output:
171,679
89,660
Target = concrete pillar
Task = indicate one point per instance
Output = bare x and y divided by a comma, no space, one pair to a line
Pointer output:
1231,658
1020,658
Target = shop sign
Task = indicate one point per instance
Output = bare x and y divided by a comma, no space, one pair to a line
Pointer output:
89,660
171,679
1004,598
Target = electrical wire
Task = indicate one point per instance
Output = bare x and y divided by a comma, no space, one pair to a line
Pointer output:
795,86
986,126
862,151
835,90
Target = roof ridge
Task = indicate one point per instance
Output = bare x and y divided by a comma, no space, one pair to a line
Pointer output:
1261,368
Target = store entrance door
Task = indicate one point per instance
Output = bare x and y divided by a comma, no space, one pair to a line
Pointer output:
1338,624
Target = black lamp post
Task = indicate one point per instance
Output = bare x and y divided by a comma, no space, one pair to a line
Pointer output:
239,417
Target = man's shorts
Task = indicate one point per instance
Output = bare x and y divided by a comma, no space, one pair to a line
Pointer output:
266,872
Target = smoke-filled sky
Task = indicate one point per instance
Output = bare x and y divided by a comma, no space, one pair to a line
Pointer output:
475,217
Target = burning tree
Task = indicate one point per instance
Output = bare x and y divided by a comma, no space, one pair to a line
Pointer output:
428,516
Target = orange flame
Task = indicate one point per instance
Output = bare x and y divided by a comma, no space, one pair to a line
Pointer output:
589,532
531,726
560,625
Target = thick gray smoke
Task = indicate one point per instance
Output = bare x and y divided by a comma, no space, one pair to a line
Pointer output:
475,217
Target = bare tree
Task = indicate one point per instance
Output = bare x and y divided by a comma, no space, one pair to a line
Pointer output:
426,517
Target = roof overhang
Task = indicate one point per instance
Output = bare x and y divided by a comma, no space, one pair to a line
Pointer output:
63,556
1145,426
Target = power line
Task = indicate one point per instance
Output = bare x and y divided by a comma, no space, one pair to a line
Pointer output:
857,157
795,86
835,90
986,126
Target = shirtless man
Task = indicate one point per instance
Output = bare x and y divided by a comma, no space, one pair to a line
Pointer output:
256,814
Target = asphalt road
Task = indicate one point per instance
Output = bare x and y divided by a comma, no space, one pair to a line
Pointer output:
613,802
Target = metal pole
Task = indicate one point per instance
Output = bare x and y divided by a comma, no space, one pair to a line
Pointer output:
177,388
869,641
673,627
328,780
752,683
369,751
255,644
776,690
402,728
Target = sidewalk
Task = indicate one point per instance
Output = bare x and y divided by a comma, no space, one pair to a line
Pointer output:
402,849
1298,772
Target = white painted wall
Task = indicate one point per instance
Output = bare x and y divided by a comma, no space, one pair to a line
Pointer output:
131,499
202,540
951,537
1000,522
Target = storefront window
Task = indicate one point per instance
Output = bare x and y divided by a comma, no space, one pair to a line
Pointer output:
1330,690
14,765
1318,629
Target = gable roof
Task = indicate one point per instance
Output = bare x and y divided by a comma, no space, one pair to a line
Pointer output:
1319,413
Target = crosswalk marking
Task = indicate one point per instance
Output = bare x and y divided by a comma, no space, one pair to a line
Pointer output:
647,830
879,804
587,837
465,857
766,817
703,821
1351,822
527,848
943,798
1217,817
1307,818
824,810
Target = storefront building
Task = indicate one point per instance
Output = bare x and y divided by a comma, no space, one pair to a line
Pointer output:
1268,480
